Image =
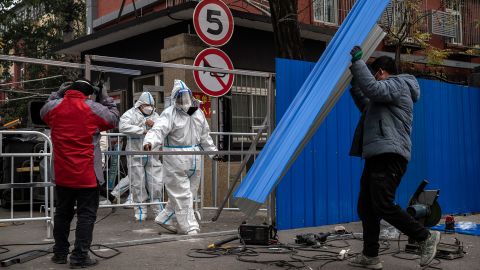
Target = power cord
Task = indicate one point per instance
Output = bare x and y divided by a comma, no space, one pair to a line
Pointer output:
4,249
99,220
327,253
117,252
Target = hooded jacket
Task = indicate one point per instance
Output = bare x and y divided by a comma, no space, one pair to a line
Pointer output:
132,123
76,122
387,112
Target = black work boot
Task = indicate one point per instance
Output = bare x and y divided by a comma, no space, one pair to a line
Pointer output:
59,258
83,264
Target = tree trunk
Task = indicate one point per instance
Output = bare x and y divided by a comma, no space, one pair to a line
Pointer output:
398,62
288,43
67,30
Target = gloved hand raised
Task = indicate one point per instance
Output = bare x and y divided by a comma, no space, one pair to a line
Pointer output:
356,53
63,88
101,93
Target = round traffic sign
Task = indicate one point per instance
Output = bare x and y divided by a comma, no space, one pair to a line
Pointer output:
212,83
213,22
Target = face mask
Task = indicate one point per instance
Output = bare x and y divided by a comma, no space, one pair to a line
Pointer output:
184,102
184,107
147,110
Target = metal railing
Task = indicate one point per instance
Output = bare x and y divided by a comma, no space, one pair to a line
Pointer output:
113,156
257,86
216,177
15,182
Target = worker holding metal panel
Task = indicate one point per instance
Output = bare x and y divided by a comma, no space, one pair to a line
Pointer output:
383,139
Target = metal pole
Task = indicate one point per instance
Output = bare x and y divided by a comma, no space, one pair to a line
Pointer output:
214,181
215,126
202,187
271,204
137,62
239,172
88,63
12,164
31,188
46,189
47,62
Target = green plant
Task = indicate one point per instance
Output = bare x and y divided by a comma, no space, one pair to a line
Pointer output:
35,28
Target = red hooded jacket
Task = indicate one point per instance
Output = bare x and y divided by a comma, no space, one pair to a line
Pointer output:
75,123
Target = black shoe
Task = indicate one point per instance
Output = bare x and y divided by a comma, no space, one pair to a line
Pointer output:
108,195
83,264
59,258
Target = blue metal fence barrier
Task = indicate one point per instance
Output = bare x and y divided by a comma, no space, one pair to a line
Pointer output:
322,186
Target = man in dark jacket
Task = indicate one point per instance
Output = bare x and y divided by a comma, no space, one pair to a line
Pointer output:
382,138
76,122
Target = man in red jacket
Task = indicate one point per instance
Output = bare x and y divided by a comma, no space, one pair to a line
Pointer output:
76,122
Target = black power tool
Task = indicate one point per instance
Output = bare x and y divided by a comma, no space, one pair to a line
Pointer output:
424,207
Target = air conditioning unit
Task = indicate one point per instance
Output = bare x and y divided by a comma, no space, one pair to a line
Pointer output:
443,24
410,40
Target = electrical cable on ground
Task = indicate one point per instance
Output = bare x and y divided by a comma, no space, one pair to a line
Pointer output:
327,252
4,249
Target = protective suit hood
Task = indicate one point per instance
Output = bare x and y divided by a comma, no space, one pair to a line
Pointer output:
182,97
145,98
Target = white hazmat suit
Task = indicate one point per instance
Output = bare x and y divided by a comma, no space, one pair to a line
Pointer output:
145,172
181,127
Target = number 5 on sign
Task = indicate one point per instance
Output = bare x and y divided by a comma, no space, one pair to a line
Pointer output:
213,22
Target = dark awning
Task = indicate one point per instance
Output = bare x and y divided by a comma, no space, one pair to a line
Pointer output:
170,16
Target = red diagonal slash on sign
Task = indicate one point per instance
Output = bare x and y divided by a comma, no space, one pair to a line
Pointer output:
220,81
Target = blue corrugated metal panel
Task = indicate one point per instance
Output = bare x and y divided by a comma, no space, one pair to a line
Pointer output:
308,104
322,186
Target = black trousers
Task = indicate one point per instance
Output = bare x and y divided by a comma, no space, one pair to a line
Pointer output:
86,200
380,179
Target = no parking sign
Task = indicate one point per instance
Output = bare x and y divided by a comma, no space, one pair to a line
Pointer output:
212,83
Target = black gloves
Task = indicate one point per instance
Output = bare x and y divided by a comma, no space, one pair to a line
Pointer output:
220,158
63,88
356,53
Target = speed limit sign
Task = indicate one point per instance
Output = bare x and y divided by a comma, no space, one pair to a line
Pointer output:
213,22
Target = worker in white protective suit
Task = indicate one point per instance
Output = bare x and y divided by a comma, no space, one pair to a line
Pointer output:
181,127
145,172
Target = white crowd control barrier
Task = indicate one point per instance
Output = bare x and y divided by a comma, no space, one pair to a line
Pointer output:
26,180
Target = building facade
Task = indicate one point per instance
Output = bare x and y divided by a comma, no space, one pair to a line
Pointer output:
162,30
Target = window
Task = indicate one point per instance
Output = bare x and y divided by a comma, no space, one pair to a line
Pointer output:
249,103
152,83
325,11
248,111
